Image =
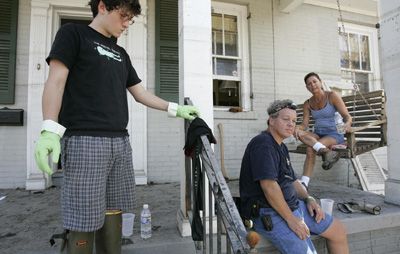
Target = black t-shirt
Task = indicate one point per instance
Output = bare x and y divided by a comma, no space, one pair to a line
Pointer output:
266,159
94,101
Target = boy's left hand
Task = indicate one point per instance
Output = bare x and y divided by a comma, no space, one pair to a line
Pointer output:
187,112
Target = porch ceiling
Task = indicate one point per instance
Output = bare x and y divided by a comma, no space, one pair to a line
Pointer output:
365,7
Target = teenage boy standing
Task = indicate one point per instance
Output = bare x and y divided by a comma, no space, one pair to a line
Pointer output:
84,103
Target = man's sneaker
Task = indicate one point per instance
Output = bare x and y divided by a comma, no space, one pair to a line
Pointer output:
329,158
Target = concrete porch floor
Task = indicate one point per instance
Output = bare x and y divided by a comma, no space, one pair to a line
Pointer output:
28,220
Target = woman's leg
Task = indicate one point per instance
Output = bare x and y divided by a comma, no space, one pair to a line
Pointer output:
307,137
330,157
310,139
328,141
309,163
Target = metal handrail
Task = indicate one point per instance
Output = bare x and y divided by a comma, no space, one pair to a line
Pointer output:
228,218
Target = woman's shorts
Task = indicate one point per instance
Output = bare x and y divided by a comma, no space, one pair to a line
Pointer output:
98,176
330,132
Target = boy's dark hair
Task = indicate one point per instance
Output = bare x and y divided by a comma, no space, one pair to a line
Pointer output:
132,6
310,75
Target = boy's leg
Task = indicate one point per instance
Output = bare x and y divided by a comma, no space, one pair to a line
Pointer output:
108,238
120,197
121,178
79,242
85,161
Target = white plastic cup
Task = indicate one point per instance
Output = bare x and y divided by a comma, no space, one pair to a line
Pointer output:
127,224
327,205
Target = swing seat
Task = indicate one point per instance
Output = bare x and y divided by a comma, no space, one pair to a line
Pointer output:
369,126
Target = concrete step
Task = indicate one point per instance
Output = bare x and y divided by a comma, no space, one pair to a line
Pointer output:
164,241
184,245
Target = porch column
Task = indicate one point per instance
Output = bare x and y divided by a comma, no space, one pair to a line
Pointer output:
39,29
390,55
195,74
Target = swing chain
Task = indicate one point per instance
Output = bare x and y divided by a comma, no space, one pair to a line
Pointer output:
355,86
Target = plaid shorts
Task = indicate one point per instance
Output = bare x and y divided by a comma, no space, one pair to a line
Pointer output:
98,176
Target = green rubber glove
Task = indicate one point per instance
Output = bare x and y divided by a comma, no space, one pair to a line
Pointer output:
48,142
187,112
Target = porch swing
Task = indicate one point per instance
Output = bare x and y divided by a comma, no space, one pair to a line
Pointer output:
368,111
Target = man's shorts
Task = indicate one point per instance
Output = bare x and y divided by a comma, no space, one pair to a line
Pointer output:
330,132
283,238
98,175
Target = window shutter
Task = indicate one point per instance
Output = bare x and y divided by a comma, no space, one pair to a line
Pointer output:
8,44
167,55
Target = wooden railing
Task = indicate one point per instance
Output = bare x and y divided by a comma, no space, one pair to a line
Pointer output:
229,224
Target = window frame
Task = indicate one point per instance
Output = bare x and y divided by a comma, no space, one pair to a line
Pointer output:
372,34
241,12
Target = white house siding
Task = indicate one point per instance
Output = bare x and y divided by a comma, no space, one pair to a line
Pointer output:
163,132
381,156
13,138
305,40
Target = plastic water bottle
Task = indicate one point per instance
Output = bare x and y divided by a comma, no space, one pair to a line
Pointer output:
145,222
339,123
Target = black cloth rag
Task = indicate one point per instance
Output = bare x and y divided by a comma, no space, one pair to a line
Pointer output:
197,128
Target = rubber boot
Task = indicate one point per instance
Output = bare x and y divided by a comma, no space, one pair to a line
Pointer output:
79,242
109,237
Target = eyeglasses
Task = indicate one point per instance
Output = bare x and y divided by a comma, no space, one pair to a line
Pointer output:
291,105
126,17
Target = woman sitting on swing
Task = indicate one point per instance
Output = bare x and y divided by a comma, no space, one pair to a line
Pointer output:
322,105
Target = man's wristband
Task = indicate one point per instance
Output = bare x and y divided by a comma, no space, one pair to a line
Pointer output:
54,127
309,199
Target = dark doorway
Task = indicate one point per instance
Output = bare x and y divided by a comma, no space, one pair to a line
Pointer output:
76,21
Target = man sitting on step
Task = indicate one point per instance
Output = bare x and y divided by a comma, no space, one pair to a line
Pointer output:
272,197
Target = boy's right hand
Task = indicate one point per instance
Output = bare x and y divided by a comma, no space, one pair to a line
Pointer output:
48,142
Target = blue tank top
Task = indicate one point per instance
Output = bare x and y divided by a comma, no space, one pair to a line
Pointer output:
324,118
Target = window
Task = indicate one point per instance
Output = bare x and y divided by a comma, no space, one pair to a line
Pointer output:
230,63
358,56
8,45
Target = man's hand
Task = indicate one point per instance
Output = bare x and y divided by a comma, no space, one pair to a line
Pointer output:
187,112
300,228
314,209
48,142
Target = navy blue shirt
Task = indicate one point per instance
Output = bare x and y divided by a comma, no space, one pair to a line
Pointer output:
266,159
